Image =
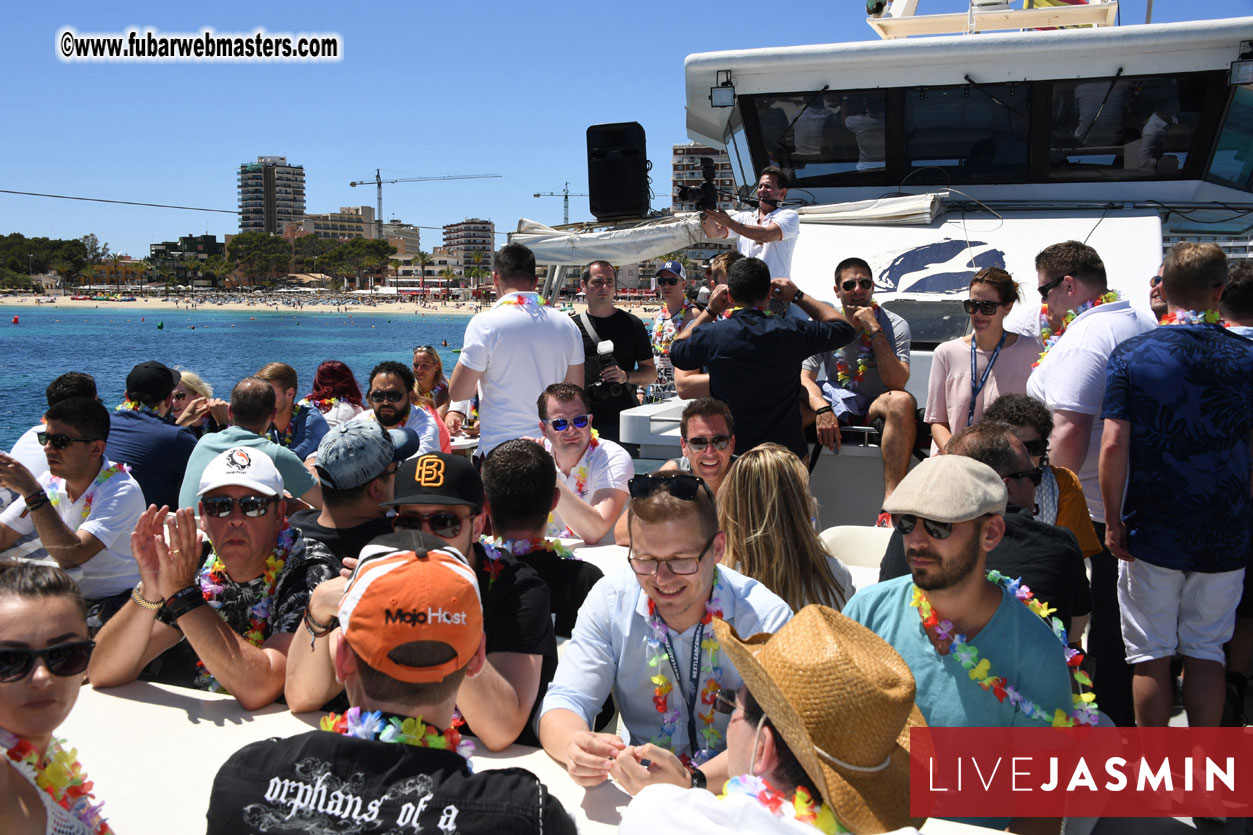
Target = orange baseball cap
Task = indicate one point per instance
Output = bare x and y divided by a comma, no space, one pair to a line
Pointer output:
406,589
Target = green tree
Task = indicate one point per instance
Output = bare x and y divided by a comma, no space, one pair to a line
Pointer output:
217,268
97,253
260,256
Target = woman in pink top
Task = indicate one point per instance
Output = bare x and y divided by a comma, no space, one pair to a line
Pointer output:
968,372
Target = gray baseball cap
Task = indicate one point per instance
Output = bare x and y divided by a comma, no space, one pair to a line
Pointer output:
949,488
357,452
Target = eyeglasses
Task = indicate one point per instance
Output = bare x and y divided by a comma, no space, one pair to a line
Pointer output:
219,507
986,308
667,282
1045,289
1037,447
60,441
718,441
443,523
682,486
562,424
681,566
906,522
853,283
1035,475
387,396
62,660
724,700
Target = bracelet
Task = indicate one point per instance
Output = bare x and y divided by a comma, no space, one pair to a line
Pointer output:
876,333
317,630
181,602
36,501
796,299
699,780
143,602
824,410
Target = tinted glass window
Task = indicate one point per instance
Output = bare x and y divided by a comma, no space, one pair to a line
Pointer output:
823,134
931,322
973,132
1233,158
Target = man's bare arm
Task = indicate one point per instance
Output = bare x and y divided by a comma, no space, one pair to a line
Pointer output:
1068,445
497,702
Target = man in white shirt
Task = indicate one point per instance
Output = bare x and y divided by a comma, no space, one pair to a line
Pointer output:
27,449
1085,324
769,233
513,352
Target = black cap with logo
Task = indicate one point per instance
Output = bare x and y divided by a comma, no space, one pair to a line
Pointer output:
438,478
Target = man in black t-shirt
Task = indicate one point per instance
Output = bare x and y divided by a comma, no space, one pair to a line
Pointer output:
611,388
395,761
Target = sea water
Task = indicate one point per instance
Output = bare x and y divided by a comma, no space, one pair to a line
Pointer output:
221,346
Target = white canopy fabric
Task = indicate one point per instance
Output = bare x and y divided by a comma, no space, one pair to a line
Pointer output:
909,210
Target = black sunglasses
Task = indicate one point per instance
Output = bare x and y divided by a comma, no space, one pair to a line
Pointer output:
1035,475
718,441
724,700
986,308
680,485
852,283
219,507
60,441
681,566
562,424
905,523
1037,447
442,523
1154,281
62,660
1045,289
669,282
387,396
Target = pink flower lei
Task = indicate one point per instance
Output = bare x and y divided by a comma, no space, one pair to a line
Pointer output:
523,299
1193,317
410,730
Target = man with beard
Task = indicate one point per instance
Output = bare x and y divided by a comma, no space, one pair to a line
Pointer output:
391,395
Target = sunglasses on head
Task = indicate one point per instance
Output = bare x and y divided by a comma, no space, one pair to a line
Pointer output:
905,523
1037,447
219,507
1034,474
1045,289
668,281
387,396
443,523
986,308
718,441
60,441
680,485
424,348
853,283
562,424
62,660
681,566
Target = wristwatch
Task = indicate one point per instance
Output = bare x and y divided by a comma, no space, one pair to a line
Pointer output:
800,294
698,778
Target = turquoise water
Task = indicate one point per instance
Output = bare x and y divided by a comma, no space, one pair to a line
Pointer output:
222,347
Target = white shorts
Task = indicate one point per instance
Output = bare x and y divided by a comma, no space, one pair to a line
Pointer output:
1165,611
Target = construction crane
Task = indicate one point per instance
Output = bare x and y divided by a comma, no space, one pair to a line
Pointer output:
566,194
378,181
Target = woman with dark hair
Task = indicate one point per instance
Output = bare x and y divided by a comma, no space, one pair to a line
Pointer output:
335,393
969,372
44,651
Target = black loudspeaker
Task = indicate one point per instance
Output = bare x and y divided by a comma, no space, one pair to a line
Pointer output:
617,170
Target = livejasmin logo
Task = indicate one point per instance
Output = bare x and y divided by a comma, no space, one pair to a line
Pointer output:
417,617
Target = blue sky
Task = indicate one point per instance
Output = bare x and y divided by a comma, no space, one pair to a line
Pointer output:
423,89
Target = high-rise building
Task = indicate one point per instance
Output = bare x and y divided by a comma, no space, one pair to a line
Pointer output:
348,222
472,242
404,236
271,195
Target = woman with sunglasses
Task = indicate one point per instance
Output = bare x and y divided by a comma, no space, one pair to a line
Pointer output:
44,651
973,370
195,407
335,393
767,512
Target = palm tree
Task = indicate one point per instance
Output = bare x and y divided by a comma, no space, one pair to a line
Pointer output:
116,259
423,260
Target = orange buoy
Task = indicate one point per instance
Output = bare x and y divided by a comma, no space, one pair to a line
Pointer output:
15,320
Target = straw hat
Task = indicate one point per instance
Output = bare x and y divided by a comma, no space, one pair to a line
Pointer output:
843,700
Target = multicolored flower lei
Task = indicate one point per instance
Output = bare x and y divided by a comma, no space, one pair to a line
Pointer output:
800,806
520,547
408,730
136,406
212,581
523,299
941,632
60,775
1046,333
845,377
1193,317
89,495
710,673
323,404
666,327
285,438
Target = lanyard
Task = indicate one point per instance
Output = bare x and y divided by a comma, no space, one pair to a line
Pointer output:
694,678
975,389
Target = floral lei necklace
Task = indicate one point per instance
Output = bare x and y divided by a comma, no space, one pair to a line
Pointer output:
523,299
580,472
1193,317
520,547
1046,333
799,807
285,437
666,326
659,654
212,581
136,406
845,377
60,775
941,632
324,404
407,730
107,473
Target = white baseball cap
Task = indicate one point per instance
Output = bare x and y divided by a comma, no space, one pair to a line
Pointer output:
242,467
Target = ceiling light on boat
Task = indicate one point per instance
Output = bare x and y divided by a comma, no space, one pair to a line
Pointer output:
1241,72
723,95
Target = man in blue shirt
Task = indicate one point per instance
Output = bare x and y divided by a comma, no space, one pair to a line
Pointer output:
1175,476
754,358
139,435
297,426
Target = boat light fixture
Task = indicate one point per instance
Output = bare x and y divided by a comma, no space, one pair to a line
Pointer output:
722,95
1241,72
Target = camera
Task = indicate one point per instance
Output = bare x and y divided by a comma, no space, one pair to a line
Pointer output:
604,389
705,195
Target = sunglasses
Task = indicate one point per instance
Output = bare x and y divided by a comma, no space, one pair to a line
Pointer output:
724,700
1154,281
1035,475
682,486
853,283
682,566
60,441
443,523
562,424
986,308
667,282
181,395
62,660
1045,289
424,348
219,507
718,441
1037,447
387,396
906,522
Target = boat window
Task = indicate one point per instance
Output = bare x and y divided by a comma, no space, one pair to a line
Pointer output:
974,132
1123,128
1232,163
823,133
931,322
737,150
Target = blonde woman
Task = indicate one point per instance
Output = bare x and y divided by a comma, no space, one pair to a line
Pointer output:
195,406
767,512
